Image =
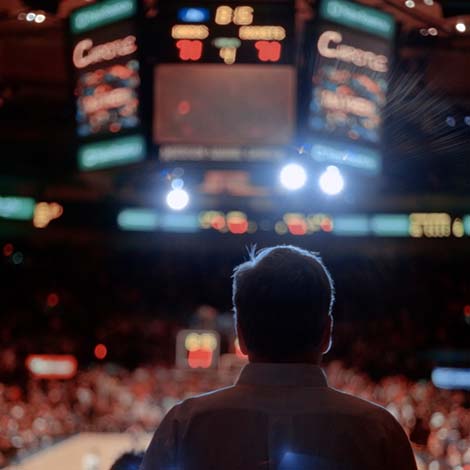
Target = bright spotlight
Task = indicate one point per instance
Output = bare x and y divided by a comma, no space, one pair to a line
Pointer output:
30,16
461,27
331,181
293,176
177,199
40,18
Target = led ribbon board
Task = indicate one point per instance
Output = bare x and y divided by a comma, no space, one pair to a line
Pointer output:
225,82
106,68
352,49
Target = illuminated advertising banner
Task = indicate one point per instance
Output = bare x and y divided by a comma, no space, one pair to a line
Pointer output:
106,68
16,207
224,81
351,45
52,366
399,225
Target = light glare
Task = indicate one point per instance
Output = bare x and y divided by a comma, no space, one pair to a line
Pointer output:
461,27
293,176
40,18
331,181
177,199
30,16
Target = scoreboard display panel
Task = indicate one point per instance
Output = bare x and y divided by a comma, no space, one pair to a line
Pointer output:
226,32
224,81
351,46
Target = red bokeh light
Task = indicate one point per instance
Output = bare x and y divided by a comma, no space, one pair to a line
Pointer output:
297,226
326,225
237,226
101,351
268,51
200,358
52,300
184,107
189,50
466,311
8,249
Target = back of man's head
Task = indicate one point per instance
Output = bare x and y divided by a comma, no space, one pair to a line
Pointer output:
282,299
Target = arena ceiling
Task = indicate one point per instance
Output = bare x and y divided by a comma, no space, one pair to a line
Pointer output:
35,91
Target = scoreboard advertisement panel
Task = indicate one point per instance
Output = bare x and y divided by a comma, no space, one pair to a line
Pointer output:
106,78
351,45
224,81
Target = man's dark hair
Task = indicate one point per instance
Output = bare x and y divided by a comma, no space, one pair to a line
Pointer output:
282,298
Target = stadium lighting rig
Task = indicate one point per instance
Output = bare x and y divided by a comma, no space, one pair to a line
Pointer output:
177,198
293,176
331,181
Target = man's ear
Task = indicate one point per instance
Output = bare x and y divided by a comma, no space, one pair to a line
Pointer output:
327,337
241,341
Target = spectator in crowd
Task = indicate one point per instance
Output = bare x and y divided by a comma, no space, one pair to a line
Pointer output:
280,413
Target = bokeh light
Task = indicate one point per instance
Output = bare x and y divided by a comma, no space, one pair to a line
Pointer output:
331,181
101,351
177,199
293,176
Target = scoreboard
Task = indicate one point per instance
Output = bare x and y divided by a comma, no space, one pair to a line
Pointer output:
212,81
224,81
226,32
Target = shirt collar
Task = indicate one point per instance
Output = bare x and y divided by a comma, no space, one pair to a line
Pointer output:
284,374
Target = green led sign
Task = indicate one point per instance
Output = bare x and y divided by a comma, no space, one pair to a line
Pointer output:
142,219
109,153
356,16
138,219
351,225
17,208
101,14
361,158
390,225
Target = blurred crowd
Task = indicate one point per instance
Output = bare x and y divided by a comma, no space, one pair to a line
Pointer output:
395,319
111,399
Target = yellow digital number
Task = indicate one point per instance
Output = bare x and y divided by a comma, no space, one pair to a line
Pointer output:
229,54
223,15
243,16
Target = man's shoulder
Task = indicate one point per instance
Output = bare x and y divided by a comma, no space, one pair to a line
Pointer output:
202,401
346,403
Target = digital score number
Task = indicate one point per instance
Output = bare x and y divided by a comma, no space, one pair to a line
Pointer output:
232,34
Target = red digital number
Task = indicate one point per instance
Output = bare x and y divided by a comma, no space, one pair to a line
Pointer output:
268,51
189,50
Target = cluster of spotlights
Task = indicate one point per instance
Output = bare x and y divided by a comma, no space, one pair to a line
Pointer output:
32,17
293,177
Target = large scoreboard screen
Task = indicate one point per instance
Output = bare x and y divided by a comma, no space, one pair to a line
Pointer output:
351,46
224,80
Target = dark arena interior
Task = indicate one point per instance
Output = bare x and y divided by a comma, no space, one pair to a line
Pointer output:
148,146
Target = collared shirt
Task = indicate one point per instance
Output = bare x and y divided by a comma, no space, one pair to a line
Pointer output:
279,417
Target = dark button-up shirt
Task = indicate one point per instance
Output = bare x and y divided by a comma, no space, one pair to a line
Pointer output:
279,417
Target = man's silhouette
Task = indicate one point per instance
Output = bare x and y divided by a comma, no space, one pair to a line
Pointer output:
280,414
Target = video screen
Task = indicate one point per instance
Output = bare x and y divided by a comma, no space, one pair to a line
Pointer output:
209,104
